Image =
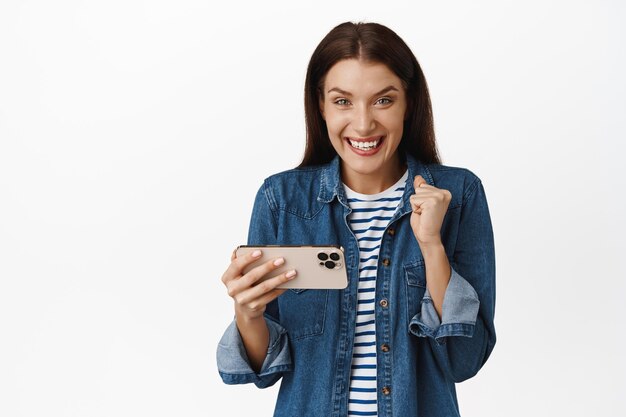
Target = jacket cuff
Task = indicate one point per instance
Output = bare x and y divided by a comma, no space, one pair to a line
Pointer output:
459,312
233,363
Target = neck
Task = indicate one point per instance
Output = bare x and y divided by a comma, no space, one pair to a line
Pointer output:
376,182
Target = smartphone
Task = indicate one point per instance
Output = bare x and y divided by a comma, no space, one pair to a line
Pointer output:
317,266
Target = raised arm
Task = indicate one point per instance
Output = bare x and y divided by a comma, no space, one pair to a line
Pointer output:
464,337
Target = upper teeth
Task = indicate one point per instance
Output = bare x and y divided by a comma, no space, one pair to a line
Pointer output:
364,145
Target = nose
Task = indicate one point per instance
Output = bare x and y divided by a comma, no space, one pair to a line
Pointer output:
364,121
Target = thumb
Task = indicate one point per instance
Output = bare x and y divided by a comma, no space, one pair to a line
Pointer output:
418,180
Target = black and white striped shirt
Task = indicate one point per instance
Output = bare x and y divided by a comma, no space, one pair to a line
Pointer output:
369,217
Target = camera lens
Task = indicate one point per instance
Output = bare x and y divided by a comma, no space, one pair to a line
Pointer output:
329,264
334,256
322,256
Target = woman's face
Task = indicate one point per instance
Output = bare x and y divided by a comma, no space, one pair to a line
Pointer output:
364,107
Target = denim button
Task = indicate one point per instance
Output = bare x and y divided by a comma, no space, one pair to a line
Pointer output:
383,302
384,347
386,390
386,262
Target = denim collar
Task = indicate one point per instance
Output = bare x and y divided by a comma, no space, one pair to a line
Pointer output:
331,185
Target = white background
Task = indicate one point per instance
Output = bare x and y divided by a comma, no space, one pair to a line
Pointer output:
134,134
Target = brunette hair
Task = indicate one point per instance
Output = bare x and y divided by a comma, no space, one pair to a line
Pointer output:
369,42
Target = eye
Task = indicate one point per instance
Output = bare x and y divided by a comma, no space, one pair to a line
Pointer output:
385,98
338,101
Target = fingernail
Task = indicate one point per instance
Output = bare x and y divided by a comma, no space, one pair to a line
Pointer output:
291,273
279,261
256,253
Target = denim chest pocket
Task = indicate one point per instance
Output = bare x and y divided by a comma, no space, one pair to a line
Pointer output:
303,312
415,274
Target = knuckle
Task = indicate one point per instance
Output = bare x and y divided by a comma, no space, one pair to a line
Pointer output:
265,286
250,278
239,264
231,292
256,274
225,277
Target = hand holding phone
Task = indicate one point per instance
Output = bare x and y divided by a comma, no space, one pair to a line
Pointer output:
251,299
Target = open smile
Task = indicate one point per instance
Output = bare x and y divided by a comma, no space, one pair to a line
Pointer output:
365,146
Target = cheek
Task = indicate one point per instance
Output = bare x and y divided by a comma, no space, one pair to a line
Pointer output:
394,120
335,125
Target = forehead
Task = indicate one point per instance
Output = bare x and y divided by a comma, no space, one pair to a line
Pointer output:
359,77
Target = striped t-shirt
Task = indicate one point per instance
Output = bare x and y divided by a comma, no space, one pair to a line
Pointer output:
369,217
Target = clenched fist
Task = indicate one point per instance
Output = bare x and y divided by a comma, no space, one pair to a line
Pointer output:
429,206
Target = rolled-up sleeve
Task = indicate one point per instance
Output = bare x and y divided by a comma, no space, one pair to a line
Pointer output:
459,312
233,363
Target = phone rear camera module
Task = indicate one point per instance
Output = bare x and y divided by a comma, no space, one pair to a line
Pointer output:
334,256
329,264
322,256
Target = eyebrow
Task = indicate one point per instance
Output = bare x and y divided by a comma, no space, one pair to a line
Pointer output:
345,93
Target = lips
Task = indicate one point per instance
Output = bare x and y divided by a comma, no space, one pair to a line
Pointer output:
365,144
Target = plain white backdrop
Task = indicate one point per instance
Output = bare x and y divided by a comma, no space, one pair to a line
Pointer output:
134,135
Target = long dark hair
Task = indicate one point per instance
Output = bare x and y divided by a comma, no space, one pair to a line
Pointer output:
369,42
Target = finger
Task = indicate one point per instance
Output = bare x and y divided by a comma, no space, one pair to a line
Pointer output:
431,197
254,275
416,204
422,195
427,202
264,287
426,185
416,200
429,190
417,181
237,265
233,255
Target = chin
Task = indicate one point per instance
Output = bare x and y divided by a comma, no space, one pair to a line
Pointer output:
362,167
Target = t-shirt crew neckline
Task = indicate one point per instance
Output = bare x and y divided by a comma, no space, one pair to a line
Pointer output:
399,183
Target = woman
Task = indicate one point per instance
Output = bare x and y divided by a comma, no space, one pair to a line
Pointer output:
417,315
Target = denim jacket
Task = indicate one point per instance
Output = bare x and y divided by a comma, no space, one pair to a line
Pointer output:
312,331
